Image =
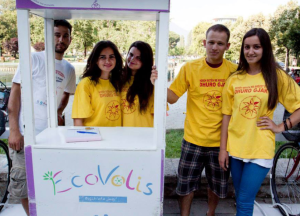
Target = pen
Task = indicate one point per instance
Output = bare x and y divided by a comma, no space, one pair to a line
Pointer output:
86,132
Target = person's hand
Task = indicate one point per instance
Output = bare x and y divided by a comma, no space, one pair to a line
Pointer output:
16,140
267,124
154,74
224,159
60,119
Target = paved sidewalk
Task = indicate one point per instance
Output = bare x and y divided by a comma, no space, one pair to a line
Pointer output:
226,207
171,208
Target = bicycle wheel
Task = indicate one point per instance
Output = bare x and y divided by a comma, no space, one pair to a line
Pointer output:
5,165
285,178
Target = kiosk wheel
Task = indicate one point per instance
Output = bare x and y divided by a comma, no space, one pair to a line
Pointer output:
5,166
285,181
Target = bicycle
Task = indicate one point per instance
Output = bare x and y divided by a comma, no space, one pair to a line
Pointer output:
5,162
285,175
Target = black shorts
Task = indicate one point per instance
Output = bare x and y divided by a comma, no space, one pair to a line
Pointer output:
192,161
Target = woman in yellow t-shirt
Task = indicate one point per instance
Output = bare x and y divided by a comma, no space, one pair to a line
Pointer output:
97,96
137,97
250,97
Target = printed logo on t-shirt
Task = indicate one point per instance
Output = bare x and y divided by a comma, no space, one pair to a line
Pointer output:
126,108
213,100
249,107
41,103
212,82
59,76
113,111
107,93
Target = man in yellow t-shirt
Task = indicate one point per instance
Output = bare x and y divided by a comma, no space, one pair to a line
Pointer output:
204,80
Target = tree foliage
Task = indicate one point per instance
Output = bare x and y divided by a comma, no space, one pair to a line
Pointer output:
198,35
7,5
173,39
284,29
177,51
11,46
84,35
39,46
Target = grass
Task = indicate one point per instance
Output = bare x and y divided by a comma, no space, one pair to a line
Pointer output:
1,150
173,143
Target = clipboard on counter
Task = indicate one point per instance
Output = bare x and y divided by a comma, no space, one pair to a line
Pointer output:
82,135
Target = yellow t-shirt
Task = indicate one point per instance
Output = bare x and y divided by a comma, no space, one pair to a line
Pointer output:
204,84
245,98
132,117
98,105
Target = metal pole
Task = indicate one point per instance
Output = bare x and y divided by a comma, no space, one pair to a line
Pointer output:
51,73
26,76
161,61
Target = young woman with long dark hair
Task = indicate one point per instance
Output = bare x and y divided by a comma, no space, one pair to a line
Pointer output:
250,97
97,97
137,98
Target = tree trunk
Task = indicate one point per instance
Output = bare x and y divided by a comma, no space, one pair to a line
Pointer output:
287,60
84,50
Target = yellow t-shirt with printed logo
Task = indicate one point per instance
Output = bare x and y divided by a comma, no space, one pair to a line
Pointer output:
98,105
245,98
132,117
204,84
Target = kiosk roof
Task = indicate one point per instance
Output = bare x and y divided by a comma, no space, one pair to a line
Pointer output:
96,9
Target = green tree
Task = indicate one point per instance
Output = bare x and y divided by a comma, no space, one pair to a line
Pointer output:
173,39
36,29
239,29
177,51
7,5
8,26
84,35
198,35
285,27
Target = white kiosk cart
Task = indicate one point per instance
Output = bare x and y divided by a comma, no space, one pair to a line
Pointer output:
124,173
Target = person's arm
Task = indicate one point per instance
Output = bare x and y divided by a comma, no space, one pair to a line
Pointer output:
171,96
267,124
289,97
78,122
15,139
223,154
62,106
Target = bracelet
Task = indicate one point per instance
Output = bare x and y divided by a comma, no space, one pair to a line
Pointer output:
290,122
285,125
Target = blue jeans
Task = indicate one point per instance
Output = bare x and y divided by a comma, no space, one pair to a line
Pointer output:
247,179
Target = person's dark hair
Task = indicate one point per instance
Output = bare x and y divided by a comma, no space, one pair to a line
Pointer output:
141,86
92,70
64,23
267,64
219,28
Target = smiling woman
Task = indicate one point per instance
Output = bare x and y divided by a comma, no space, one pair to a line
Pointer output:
250,96
97,100
138,91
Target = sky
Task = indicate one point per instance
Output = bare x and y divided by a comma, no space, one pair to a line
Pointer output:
185,14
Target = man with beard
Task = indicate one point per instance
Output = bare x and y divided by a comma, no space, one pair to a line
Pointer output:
65,85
